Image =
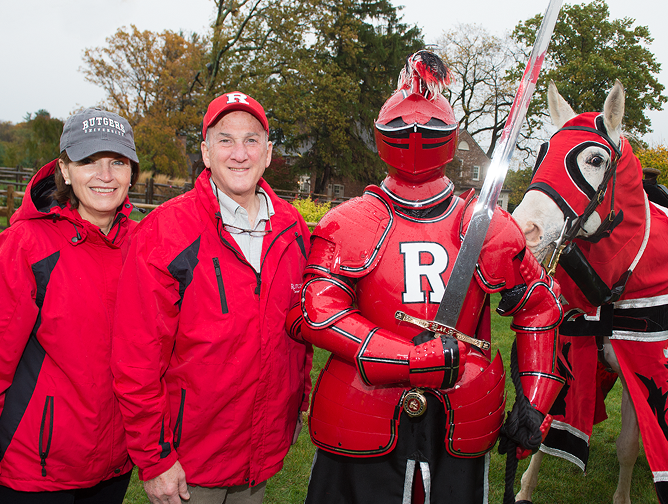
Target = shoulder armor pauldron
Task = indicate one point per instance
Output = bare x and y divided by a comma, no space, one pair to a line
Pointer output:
355,233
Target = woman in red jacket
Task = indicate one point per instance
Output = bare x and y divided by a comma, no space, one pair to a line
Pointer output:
61,436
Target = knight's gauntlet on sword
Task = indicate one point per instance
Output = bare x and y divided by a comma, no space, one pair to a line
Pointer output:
437,363
385,357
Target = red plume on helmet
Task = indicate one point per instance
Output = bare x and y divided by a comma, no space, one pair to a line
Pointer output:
416,130
424,73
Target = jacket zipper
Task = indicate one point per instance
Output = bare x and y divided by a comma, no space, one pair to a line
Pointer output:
257,291
275,239
44,450
117,222
221,286
258,276
178,426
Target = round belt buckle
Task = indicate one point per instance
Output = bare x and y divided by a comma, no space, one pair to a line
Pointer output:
415,403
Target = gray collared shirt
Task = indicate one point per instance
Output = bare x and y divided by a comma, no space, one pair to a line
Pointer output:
233,214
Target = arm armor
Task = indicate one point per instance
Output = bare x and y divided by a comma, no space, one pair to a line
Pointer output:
536,318
530,296
380,356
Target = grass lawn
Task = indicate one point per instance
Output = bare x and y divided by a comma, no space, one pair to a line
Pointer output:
560,481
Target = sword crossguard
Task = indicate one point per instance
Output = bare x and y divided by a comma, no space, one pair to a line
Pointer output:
442,329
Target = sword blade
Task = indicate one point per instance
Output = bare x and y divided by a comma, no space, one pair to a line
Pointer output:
467,257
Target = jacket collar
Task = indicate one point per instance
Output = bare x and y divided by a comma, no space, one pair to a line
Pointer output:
210,205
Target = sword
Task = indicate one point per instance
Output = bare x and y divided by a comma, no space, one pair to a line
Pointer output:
467,257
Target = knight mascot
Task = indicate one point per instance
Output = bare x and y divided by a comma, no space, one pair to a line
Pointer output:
399,414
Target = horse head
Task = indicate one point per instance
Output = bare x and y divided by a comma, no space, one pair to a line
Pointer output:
569,170
586,183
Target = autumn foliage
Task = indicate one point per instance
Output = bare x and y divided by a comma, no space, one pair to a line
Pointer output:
655,157
147,77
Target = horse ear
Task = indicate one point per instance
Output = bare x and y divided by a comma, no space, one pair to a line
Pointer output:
560,111
613,111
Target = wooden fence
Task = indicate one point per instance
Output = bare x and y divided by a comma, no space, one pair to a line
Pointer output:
10,195
153,194
146,200
18,177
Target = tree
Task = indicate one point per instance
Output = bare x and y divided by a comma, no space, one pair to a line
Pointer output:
43,142
517,182
148,79
32,143
279,174
588,51
321,68
243,30
163,82
480,93
325,88
10,136
655,157
142,69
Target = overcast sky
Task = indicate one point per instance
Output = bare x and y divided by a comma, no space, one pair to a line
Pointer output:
42,41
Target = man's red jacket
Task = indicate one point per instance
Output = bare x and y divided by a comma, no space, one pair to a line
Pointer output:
204,370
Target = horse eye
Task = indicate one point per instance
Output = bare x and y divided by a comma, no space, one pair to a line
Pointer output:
596,161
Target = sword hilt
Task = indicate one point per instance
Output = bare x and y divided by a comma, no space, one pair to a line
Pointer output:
441,329
559,246
554,260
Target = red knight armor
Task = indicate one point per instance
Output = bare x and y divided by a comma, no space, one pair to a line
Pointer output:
370,259
392,250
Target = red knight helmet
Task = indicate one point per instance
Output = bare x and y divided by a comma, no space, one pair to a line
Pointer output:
416,130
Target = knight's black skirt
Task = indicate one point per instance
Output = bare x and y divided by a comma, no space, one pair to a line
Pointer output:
390,478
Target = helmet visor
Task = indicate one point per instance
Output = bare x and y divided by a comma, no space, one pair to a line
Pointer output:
416,148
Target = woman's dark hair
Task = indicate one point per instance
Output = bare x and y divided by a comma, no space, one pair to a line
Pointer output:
65,193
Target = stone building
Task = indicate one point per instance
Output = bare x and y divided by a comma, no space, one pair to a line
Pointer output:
469,167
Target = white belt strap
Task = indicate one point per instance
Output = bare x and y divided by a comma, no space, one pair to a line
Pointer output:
408,481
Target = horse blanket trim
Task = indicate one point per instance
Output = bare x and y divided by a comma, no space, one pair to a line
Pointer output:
567,442
640,341
565,455
642,302
572,430
640,337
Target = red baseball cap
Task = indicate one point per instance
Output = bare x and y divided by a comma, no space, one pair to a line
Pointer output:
233,101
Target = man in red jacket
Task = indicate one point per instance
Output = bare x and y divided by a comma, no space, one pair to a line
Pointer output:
211,386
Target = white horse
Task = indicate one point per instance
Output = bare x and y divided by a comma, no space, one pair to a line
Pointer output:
587,189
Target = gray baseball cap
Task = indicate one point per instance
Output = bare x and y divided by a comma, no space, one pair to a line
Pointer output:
95,130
